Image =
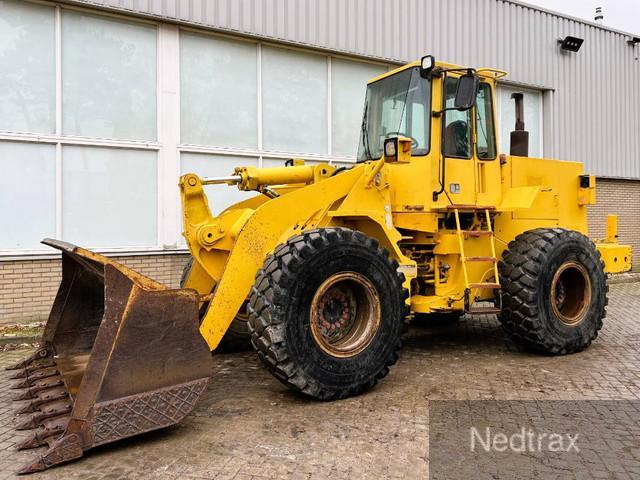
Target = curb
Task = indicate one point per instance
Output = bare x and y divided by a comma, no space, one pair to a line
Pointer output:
628,277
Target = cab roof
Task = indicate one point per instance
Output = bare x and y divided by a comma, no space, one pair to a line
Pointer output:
488,73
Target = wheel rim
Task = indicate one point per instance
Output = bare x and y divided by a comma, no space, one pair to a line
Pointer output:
571,293
345,314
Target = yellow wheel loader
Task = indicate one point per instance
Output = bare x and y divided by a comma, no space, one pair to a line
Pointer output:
329,264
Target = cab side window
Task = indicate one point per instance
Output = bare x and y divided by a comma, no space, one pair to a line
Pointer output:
457,125
485,127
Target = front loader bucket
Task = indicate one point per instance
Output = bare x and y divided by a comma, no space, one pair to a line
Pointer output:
120,355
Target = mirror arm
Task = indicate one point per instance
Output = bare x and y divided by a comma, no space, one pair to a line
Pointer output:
438,113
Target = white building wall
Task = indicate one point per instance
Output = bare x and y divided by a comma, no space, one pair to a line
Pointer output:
100,113
592,98
97,105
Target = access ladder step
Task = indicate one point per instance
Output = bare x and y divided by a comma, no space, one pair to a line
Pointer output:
488,286
471,208
481,259
483,310
478,233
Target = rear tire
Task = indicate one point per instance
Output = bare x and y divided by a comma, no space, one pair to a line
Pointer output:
327,313
554,290
237,338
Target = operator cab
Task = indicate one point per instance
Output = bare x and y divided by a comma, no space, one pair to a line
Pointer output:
447,113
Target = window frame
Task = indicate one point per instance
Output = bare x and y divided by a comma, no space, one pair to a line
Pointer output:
444,120
427,120
493,122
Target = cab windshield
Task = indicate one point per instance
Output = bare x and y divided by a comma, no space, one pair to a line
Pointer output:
399,105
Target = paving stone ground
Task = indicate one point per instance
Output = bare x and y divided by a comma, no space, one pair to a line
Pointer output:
249,426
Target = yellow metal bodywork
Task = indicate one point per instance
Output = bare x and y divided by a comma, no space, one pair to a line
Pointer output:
616,257
391,200
229,249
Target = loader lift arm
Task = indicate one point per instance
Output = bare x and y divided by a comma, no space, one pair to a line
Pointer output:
255,232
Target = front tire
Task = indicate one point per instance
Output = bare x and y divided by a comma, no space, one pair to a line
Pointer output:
554,290
327,313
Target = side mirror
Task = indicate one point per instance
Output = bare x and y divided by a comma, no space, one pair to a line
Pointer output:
466,92
426,65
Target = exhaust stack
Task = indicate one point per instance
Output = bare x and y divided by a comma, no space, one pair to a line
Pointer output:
519,137
599,18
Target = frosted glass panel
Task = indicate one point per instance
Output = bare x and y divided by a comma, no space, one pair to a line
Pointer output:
294,86
348,89
220,196
109,197
27,194
27,68
108,77
218,92
532,116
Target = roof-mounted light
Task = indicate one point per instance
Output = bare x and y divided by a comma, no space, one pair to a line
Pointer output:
426,65
571,44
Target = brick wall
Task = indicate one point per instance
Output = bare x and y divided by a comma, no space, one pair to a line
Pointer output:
620,197
27,287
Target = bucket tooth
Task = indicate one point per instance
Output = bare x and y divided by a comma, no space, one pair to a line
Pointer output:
27,394
37,355
43,436
64,449
40,374
33,368
33,441
42,398
28,423
44,384
22,373
54,409
21,385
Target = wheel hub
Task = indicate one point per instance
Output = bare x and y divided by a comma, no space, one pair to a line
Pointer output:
345,314
571,293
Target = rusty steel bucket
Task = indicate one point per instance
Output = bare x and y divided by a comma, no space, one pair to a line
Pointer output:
120,355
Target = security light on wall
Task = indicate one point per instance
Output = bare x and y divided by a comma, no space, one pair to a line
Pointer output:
570,44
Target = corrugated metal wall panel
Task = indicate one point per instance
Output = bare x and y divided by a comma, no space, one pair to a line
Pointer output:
594,97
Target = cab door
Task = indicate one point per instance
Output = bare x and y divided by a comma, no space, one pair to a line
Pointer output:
460,161
485,157
469,144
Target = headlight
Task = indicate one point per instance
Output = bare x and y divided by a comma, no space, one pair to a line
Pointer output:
391,147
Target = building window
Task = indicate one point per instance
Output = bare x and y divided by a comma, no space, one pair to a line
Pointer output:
294,101
218,90
27,194
108,77
532,118
80,125
109,197
349,86
101,191
27,68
